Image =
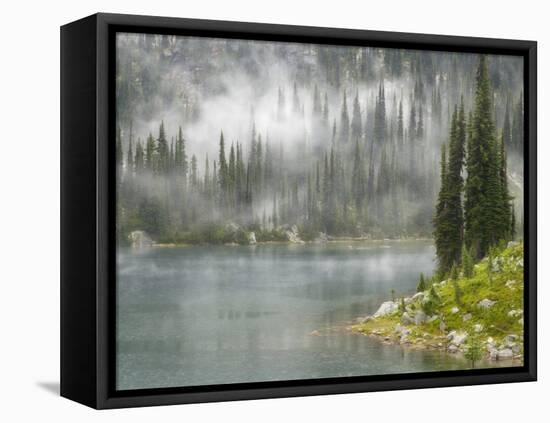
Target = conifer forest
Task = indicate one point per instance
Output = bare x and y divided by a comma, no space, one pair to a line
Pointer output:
219,138
298,211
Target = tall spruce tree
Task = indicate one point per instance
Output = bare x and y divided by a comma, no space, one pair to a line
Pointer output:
163,150
223,171
400,131
344,121
139,160
380,117
150,148
449,222
356,126
486,221
119,154
442,221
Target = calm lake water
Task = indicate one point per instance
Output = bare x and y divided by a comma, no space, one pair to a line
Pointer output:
212,315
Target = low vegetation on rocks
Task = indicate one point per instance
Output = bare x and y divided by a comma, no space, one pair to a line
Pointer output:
480,316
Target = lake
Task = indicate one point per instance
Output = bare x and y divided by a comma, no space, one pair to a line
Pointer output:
207,315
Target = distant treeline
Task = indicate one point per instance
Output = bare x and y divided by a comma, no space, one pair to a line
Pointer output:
359,169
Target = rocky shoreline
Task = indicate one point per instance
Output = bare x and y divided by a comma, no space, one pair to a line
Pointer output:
452,342
489,314
289,234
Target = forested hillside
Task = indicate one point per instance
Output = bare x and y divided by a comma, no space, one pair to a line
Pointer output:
346,141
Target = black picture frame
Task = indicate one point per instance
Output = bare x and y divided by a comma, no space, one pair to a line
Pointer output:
88,201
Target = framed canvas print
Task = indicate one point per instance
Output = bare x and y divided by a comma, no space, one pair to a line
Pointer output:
254,211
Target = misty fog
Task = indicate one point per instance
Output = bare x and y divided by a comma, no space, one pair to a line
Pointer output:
338,140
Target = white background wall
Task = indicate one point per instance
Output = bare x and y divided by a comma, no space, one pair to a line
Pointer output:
29,209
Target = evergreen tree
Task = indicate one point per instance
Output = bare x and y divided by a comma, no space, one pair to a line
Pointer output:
162,150
325,110
474,348
130,154
180,156
344,121
119,154
400,130
456,287
380,117
356,127
420,125
206,175
139,160
467,262
317,108
222,173
358,184
150,148
485,217
194,172
421,287
231,175
442,224
268,171
455,183
258,160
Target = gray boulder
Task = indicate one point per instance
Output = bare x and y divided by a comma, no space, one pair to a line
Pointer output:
402,330
419,296
140,239
456,338
496,265
493,353
486,303
251,238
520,263
386,308
505,353
420,317
432,318
293,236
406,319
452,348
510,341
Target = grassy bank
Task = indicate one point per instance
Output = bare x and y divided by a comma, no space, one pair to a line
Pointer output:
479,316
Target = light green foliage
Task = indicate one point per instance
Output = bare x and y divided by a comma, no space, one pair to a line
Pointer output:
474,348
457,292
454,272
506,290
467,262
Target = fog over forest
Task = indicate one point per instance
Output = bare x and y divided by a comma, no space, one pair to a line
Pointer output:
344,141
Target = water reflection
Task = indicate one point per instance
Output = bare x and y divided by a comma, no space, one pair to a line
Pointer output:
211,315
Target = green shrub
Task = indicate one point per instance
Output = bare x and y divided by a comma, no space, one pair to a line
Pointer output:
421,287
467,262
